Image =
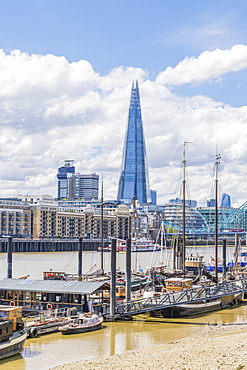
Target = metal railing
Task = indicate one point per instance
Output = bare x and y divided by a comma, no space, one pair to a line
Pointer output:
176,298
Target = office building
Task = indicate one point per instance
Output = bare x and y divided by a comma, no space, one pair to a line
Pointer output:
86,186
65,180
73,185
153,194
189,202
211,203
173,217
225,200
134,180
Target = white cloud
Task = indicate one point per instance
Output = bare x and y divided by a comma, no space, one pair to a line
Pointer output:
51,110
210,65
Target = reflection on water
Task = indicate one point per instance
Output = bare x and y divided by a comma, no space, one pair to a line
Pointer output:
27,352
53,349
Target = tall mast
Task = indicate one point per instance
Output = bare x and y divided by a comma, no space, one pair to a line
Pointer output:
217,162
183,205
102,229
184,223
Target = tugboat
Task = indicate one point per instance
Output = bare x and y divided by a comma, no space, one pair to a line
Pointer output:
83,323
12,333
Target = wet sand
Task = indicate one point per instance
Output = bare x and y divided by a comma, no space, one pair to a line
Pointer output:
215,347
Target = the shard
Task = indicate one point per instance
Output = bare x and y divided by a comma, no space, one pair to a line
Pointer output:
134,180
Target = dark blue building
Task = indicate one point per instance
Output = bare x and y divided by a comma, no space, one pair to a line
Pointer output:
225,200
65,185
134,175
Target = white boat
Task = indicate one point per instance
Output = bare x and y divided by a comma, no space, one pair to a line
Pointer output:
138,245
41,325
82,324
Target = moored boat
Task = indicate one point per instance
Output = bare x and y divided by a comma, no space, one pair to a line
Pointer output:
42,325
12,334
201,306
188,309
82,324
138,245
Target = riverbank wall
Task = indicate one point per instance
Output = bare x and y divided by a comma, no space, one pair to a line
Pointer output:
48,245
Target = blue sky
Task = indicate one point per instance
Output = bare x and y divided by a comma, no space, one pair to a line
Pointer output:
129,33
137,33
103,46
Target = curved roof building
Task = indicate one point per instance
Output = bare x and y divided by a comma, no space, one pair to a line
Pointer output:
173,214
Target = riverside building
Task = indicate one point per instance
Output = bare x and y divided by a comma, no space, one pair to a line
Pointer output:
41,217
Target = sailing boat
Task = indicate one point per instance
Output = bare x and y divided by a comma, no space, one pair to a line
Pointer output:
178,284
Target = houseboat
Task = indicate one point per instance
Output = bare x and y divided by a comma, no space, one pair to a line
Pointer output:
50,295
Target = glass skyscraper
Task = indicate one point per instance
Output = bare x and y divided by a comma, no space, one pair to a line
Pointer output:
134,180
73,185
64,176
225,200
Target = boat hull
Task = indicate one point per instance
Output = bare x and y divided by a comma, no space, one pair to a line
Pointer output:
14,346
49,327
189,309
78,330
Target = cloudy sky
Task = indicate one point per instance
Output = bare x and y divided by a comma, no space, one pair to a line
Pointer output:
66,69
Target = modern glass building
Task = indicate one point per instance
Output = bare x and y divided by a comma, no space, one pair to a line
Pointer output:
134,180
229,218
87,186
73,185
173,216
225,200
65,182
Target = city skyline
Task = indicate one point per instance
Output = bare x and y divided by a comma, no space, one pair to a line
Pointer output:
66,73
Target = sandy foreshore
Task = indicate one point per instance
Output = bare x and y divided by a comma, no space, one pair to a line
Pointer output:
213,348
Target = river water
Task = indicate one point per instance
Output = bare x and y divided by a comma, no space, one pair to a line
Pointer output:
51,350
34,264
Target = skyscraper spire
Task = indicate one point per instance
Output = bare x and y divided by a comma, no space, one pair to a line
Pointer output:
134,175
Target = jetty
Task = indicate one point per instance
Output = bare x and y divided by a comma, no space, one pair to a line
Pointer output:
225,289
23,245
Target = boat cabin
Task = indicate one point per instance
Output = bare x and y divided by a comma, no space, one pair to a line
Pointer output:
13,314
54,275
6,330
120,293
87,319
178,284
193,263
193,260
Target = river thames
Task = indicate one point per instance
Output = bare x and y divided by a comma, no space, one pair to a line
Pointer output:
55,349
